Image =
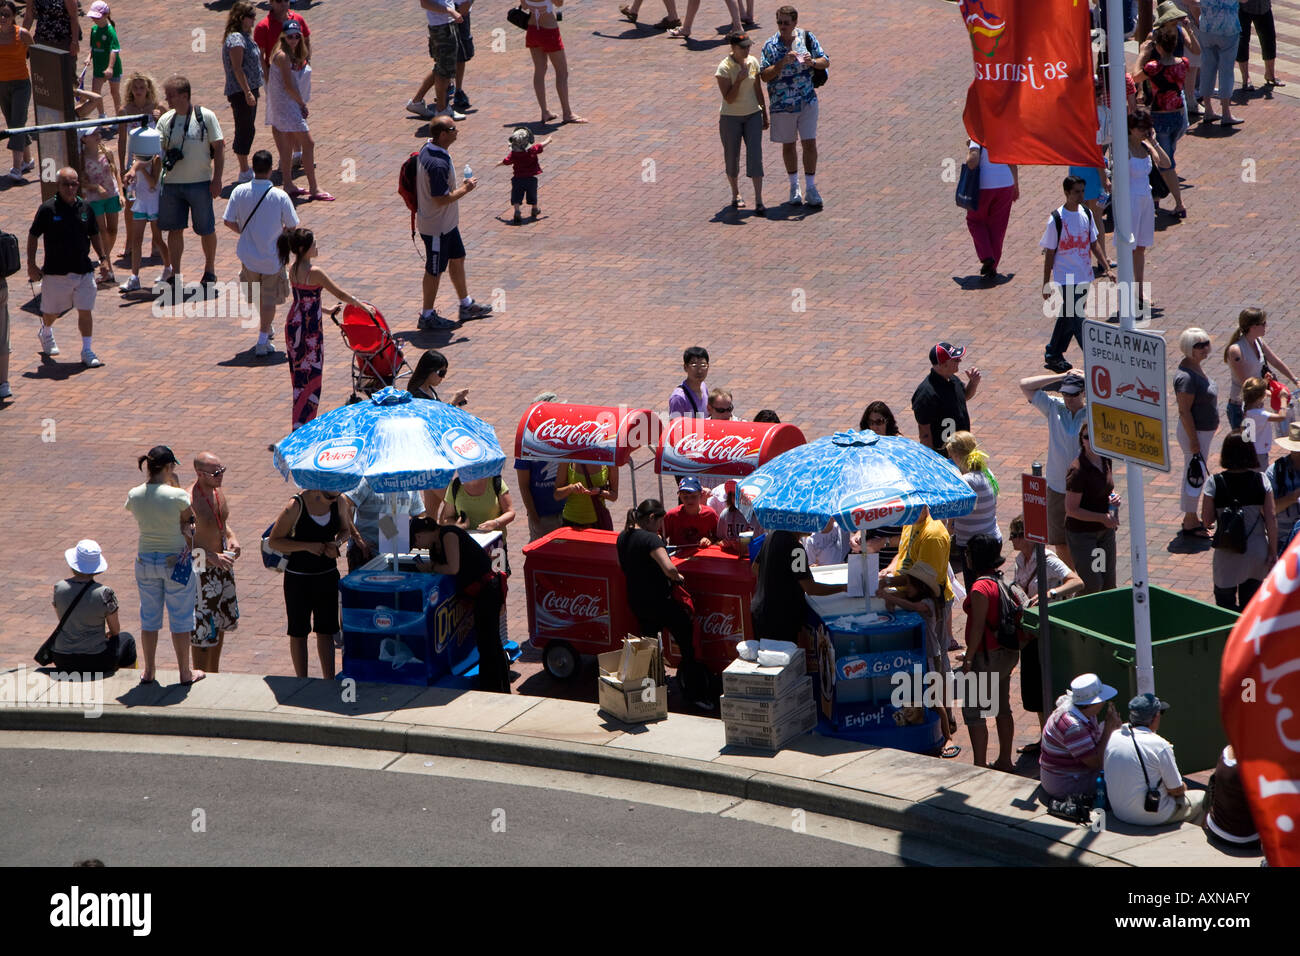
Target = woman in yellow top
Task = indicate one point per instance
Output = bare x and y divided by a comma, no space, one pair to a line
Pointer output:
15,85
743,116
583,484
480,505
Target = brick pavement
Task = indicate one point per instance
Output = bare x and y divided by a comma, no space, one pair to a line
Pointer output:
635,256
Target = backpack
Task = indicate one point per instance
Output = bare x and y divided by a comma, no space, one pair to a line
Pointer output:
10,257
454,490
406,187
1230,532
1012,601
1056,218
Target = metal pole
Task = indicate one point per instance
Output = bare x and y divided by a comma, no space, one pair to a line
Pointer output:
1044,625
1127,301
74,124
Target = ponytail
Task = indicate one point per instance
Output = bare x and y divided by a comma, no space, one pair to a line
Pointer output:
631,520
646,510
1247,320
979,461
296,241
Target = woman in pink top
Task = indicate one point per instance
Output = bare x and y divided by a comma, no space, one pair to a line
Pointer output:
103,190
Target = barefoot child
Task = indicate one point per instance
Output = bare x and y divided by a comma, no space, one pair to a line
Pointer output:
142,181
523,157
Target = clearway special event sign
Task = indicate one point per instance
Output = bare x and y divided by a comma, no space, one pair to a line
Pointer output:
1126,394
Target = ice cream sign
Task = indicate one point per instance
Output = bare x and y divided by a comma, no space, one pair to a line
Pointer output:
338,453
464,446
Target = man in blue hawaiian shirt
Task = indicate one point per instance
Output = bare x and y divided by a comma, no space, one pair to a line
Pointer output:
789,59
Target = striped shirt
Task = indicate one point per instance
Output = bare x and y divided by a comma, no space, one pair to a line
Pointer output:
1068,737
984,519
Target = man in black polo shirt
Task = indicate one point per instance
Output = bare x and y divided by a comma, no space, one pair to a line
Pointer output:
939,402
68,278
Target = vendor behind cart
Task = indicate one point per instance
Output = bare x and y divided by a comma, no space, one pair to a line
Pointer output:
454,553
363,508
654,591
784,577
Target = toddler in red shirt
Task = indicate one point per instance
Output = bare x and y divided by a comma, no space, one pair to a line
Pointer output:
690,524
523,157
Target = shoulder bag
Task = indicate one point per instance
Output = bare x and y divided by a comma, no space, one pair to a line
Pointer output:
604,520
45,653
968,187
1151,803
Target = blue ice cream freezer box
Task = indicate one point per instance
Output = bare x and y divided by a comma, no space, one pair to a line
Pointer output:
405,627
867,662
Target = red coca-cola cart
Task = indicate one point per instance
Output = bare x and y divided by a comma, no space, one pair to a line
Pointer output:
721,583
577,602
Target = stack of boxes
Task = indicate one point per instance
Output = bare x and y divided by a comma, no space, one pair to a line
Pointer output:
766,707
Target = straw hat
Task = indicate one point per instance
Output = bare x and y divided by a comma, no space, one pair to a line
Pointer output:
1292,440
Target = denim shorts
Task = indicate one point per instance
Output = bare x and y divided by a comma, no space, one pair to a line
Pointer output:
1170,128
177,202
153,579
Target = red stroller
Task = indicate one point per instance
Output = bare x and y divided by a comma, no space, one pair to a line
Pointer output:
377,355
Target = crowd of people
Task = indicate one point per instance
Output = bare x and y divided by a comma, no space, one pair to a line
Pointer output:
1248,508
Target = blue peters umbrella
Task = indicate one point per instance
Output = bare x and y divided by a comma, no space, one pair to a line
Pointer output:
394,441
861,479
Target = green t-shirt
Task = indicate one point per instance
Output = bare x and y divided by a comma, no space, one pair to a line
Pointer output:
103,41
579,508
480,508
157,509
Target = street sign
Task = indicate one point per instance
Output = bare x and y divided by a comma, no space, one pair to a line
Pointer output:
1035,507
1125,373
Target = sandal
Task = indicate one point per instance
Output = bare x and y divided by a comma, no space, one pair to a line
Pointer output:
950,751
627,12
760,211
667,23
1266,83
293,192
321,197
678,34
737,202
1248,87
1198,532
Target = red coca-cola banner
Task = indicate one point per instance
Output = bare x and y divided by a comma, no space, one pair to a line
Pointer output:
585,434
1259,698
702,446
1031,100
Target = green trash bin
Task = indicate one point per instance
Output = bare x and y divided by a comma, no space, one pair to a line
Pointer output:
1094,634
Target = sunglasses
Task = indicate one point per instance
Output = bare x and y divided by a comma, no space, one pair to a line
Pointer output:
1201,345
724,411
216,473
1016,537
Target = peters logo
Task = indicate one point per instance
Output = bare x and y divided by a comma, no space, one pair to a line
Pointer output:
985,28
853,668
578,607
883,509
383,619
465,445
338,453
752,488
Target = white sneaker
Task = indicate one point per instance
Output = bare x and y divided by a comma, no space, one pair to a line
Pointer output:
452,113
246,175
4,390
263,348
795,198
48,345
813,198
28,166
14,173
90,359
166,276
132,284
419,108
270,333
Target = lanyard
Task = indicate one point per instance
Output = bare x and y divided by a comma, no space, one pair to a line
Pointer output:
213,506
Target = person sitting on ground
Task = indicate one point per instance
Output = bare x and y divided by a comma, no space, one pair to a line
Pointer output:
1143,786
1227,816
90,640
1074,740
691,524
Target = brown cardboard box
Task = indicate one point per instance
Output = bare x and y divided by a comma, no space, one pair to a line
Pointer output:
633,705
766,711
774,736
747,679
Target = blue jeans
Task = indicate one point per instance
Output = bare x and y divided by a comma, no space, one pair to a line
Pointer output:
1170,128
1218,50
153,572
1236,414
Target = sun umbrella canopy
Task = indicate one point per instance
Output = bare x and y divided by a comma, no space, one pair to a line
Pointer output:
860,479
394,441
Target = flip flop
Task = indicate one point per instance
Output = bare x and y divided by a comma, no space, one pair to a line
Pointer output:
950,751
1197,532
737,202
198,676
677,34
321,197
667,23
294,192
146,681
627,12
1033,748
1274,83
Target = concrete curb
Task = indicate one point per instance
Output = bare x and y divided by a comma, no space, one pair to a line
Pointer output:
1002,843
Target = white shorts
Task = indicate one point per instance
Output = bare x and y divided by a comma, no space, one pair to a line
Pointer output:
145,205
1144,221
61,293
785,125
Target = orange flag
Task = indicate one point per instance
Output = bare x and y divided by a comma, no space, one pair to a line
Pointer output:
1259,698
1032,100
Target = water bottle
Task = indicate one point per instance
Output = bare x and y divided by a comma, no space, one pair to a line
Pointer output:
451,94
1099,798
469,172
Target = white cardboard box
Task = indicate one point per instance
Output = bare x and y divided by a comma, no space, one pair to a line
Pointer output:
763,710
747,679
773,736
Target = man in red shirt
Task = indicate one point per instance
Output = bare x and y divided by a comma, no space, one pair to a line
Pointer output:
266,35
690,524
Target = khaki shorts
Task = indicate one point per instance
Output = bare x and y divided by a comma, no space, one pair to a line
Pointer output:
1055,517
994,667
61,293
264,289
215,607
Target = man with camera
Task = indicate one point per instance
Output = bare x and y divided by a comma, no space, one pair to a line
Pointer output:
193,155
1143,786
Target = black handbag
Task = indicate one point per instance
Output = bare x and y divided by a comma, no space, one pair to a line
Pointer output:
518,16
1159,188
45,653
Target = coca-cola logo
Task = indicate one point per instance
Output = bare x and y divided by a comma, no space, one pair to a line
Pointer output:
726,448
562,434
718,624
582,607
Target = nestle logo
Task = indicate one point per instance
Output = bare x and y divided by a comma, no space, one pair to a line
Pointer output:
575,606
